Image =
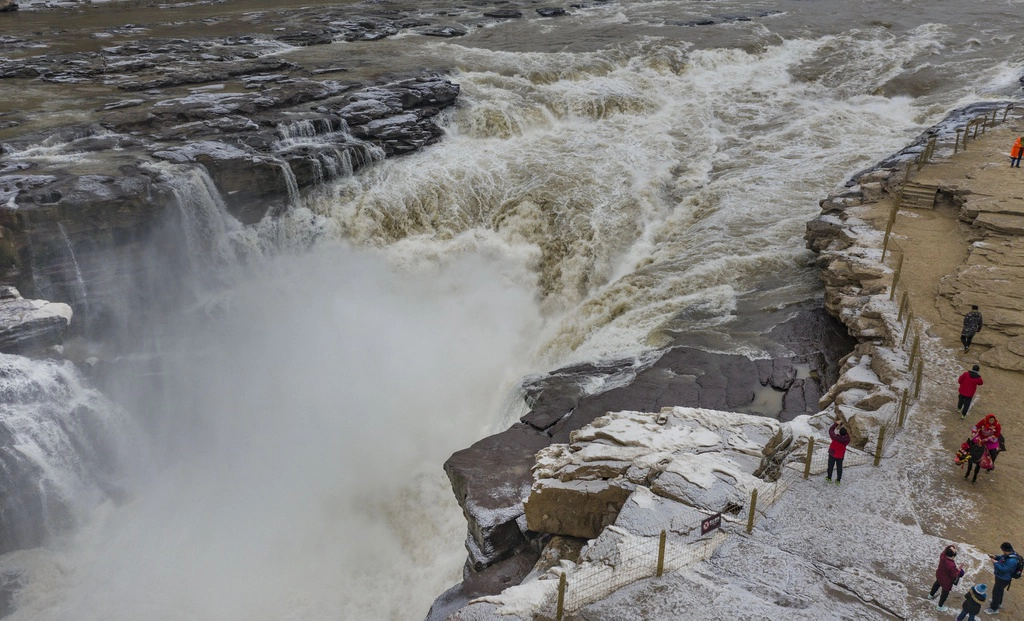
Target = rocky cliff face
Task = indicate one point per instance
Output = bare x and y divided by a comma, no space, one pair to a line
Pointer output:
77,224
848,252
493,478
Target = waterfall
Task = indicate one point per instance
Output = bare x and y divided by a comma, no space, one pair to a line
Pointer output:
331,149
58,449
210,232
294,198
79,280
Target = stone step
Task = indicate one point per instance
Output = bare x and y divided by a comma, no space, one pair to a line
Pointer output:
918,196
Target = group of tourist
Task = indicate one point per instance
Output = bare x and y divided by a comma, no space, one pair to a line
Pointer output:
981,448
1006,566
979,452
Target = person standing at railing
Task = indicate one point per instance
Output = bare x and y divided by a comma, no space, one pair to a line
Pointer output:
947,575
837,450
969,382
1015,152
972,326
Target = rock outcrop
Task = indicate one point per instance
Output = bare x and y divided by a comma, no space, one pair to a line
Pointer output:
626,477
78,229
30,326
849,254
492,479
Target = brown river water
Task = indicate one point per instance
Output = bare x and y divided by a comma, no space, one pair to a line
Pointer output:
613,179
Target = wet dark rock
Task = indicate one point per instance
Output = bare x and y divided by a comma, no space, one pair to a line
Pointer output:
551,12
30,326
8,6
370,29
442,31
682,376
490,480
306,38
490,581
504,14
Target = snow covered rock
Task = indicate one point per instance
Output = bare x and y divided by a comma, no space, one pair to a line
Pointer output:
30,325
704,459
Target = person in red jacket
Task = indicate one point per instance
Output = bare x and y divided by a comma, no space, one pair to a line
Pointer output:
946,576
1015,152
837,450
969,382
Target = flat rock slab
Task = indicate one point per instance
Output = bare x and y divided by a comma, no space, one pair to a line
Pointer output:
1004,223
30,325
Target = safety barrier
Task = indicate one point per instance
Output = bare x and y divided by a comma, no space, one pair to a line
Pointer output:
638,557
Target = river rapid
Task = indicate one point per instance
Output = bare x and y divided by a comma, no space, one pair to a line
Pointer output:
612,181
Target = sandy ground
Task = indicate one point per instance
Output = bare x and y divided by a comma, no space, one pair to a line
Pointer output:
936,243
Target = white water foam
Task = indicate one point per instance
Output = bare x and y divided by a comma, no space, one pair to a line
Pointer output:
647,178
299,476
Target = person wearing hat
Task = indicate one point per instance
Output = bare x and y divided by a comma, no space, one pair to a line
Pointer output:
972,325
972,602
946,576
1003,566
969,382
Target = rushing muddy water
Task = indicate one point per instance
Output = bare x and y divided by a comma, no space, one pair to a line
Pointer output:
612,180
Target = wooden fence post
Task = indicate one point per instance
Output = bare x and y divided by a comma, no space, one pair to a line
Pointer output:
956,145
896,277
753,506
661,554
920,374
1006,111
903,307
878,449
903,409
914,350
810,453
885,240
906,331
561,598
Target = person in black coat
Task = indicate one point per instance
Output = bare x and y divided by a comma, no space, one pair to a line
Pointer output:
972,602
976,452
972,325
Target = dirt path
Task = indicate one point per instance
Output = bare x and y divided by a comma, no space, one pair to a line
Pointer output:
936,245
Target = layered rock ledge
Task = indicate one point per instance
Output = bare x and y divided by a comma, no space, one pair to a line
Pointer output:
492,479
109,192
30,326
995,231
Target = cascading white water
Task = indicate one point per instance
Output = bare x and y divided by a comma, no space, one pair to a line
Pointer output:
581,204
58,433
